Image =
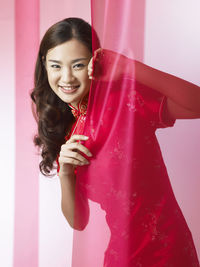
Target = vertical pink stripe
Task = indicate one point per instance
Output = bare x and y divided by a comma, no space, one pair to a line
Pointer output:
26,168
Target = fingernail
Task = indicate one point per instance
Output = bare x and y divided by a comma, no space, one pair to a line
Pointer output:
90,154
86,137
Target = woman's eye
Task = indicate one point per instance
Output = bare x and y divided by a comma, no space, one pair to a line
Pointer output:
79,66
54,66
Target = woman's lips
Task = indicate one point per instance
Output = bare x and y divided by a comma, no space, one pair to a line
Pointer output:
69,89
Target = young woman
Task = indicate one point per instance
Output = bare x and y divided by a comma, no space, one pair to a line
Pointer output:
63,75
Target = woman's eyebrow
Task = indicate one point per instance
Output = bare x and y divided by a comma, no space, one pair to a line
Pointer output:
55,61
79,59
73,61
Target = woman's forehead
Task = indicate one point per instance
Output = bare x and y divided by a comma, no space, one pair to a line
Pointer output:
71,49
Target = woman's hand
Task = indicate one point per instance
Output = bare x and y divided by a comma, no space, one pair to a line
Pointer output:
95,58
70,156
107,65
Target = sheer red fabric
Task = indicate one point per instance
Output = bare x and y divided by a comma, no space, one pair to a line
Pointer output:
126,213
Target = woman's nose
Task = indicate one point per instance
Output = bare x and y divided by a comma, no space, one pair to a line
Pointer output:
67,76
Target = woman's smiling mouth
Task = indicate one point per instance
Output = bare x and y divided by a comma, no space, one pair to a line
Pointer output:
69,89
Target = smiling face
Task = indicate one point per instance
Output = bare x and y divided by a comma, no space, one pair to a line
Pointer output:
67,71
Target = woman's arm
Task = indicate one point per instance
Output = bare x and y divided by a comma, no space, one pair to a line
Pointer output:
74,205
183,97
68,184
68,196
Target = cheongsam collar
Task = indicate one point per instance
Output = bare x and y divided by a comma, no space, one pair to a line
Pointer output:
82,107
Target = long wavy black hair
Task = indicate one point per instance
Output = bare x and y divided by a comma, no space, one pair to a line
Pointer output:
54,116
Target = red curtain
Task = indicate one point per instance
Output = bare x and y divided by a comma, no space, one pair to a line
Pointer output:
125,209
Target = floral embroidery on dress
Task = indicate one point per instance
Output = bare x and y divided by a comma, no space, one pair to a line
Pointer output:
80,116
82,108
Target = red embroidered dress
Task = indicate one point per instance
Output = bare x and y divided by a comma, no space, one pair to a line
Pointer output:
146,225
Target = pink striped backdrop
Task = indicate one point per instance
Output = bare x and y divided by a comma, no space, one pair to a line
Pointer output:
26,171
33,230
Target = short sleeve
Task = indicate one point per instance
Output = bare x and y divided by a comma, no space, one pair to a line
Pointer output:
164,118
155,110
58,165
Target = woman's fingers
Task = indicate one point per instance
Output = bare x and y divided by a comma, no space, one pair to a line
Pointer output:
95,58
74,143
97,53
71,161
77,137
73,157
90,69
76,147
70,151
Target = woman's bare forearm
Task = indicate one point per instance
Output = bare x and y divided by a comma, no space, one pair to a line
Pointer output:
182,92
68,184
68,206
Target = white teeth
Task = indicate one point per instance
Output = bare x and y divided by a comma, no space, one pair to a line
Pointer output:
68,88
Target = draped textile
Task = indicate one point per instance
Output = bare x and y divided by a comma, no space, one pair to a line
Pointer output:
126,213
